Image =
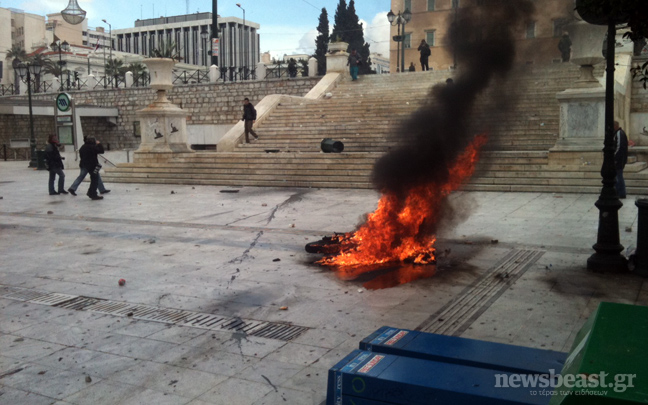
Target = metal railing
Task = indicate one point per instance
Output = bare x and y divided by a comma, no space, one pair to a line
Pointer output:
197,76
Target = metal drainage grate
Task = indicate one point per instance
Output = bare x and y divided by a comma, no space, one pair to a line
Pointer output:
53,299
21,294
268,330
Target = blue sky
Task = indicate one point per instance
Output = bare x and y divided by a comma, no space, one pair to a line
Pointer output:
287,26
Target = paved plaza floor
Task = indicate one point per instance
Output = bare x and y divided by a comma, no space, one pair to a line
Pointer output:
198,262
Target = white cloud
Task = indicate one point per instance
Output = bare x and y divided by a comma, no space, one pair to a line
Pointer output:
307,42
377,34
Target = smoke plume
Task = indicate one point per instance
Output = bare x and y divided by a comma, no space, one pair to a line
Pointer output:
483,41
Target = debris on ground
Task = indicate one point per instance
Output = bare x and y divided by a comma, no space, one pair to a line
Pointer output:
42,372
276,260
230,191
283,308
172,192
151,241
628,229
494,241
50,212
88,379
264,205
121,282
129,314
292,225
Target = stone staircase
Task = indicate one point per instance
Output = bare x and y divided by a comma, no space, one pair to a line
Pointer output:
361,114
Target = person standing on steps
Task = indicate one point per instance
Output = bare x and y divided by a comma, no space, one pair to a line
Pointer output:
620,158
354,63
89,153
425,51
54,163
564,46
249,117
412,68
82,174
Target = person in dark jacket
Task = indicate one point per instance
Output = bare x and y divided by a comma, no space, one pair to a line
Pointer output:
425,51
249,116
412,68
73,188
620,158
54,163
564,46
89,153
354,64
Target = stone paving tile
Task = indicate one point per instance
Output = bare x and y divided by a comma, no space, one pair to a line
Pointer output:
265,370
177,334
10,396
68,358
291,397
299,354
139,328
130,346
26,349
104,392
311,379
105,365
50,383
235,391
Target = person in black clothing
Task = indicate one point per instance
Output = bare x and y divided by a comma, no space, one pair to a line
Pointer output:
412,68
54,163
620,158
425,51
89,161
564,46
249,116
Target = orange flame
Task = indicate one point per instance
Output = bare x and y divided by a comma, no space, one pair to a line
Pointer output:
393,232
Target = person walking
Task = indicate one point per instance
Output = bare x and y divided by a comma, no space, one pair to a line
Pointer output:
354,63
620,158
249,116
89,153
425,51
54,164
564,46
82,174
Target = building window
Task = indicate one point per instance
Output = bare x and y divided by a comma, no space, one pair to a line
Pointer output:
84,33
559,27
408,5
85,42
455,3
530,30
430,38
407,43
431,5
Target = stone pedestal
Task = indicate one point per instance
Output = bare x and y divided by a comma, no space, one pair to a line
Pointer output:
163,124
337,58
582,127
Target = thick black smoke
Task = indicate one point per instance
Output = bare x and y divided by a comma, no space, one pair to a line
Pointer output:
483,38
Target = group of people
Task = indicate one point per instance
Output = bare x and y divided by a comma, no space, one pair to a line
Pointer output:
89,164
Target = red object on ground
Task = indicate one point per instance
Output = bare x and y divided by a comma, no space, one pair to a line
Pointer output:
121,282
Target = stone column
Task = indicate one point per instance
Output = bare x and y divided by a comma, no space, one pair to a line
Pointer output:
261,71
312,67
214,74
337,58
129,79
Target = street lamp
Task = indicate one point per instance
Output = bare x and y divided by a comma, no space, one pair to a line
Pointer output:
214,31
244,44
110,42
62,47
25,71
400,20
204,35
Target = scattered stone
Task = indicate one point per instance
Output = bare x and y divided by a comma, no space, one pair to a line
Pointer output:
193,188
60,358
88,379
172,192
628,229
19,340
129,314
283,308
121,282
276,260
50,212
173,382
292,225
229,191
494,241
42,372
151,241
360,290
264,205
0,197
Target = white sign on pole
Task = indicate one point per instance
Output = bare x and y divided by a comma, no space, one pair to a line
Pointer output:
215,46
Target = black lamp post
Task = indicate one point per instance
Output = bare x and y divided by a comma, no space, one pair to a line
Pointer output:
608,246
400,20
62,47
245,65
214,31
204,35
110,44
25,71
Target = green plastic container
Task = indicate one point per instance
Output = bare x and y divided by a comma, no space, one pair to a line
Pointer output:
610,349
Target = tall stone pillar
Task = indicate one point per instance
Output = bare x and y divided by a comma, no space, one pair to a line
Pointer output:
337,58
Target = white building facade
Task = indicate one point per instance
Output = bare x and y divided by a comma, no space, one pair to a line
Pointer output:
239,41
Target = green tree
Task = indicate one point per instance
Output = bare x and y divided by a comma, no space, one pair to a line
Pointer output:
115,67
348,28
340,26
45,63
17,54
321,42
